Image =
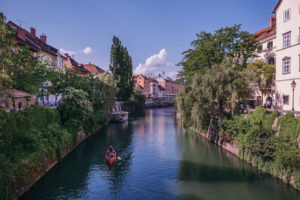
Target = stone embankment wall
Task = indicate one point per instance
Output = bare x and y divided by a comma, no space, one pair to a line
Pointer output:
232,147
81,136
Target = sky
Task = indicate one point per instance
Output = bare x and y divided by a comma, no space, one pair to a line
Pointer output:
155,32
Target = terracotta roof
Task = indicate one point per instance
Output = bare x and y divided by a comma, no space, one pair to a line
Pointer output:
276,6
93,68
31,40
268,31
152,80
18,93
71,63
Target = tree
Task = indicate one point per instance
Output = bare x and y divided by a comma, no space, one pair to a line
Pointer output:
121,68
19,69
262,74
104,92
75,105
6,54
214,93
209,49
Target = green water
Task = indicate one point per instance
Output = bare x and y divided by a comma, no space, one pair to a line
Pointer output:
159,161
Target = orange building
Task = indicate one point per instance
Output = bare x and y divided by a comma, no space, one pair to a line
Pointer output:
18,99
141,81
171,88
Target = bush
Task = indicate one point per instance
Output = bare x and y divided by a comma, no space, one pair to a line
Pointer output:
136,102
75,105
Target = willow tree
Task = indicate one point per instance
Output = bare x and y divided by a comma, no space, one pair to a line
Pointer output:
121,68
105,90
214,93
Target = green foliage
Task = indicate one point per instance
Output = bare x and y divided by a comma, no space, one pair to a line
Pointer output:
23,149
105,90
136,102
75,105
210,49
121,68
216,92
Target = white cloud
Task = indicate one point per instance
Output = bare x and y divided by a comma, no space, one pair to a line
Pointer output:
63,51
153,63
173,75
87,50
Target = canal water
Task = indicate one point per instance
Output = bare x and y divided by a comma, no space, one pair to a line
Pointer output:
159,161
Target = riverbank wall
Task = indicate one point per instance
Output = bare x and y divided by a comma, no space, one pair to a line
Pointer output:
286,175
51,163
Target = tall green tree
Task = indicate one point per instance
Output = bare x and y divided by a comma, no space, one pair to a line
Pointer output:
121,68
211,48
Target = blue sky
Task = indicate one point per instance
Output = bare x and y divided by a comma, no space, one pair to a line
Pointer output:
155,32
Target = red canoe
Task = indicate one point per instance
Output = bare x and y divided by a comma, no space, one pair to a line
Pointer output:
109,159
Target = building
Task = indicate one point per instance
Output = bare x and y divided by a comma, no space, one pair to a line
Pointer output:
143,83
45,52
287,54
18,100
266,38
171,88
72,64
93,69
154,89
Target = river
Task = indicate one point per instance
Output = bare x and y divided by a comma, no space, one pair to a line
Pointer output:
159,161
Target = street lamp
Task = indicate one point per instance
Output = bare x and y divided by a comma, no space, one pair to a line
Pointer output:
293,85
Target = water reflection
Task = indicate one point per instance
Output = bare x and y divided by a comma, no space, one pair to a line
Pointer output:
159,161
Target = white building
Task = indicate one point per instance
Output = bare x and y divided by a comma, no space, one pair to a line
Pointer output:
154,89
287,54
266,38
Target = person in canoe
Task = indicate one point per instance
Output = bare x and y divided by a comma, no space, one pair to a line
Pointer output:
110,155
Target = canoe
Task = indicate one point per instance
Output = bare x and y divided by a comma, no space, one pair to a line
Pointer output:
110,160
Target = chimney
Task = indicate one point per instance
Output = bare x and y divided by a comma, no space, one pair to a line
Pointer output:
32,31
272,21
43,38
21,33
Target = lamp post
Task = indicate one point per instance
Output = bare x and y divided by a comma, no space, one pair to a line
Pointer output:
293,85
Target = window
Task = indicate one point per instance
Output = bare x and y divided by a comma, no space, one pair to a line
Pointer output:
286,40
259,49
271,61
270,45
287,15
285,99
286,65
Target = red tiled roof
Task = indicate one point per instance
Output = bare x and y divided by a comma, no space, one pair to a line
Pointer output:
18,93
152,80
71,63
31,40
93,68
268,31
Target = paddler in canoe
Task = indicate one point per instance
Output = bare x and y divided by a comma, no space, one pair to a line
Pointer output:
110,155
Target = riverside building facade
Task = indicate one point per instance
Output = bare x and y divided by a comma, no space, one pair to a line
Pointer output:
288,55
